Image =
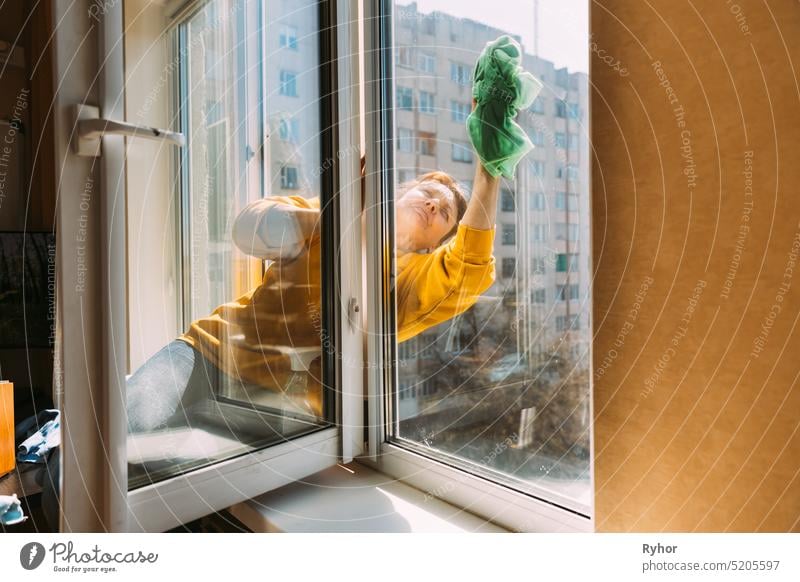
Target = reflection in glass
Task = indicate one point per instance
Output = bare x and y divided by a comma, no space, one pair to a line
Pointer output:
246,371
503,389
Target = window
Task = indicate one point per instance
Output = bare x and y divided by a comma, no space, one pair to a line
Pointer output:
538,201
570,172
561,108
566,201
289,179
427,63
405,98
509,236
460,73
567,262
404,176
574,111
464,393
405,57
509,267
289,130
561,140
538,265
459,111
426,102
288,37
566,231
539,232
427,143
405,140
563,291
225,421
288,84
507,200
572,142
563,323
462,152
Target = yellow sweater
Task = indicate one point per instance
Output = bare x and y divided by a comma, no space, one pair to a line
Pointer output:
240,337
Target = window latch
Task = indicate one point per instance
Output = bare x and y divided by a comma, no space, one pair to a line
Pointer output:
89,127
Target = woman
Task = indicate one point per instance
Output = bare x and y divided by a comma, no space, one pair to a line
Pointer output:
444,263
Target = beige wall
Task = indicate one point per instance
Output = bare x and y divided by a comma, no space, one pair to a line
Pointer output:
713,443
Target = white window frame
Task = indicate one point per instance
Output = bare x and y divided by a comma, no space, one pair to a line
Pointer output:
87,474
550,512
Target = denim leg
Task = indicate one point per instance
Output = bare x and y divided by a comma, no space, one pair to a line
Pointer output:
164,385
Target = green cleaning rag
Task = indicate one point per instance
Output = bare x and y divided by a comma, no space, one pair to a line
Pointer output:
500,89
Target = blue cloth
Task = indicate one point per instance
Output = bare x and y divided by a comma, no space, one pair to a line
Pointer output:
11,510
41,434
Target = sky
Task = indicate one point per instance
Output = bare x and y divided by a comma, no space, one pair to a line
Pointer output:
563,24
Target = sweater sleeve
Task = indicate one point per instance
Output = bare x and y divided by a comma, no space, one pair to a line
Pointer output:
437,287
267,228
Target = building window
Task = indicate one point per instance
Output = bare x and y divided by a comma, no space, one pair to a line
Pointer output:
561,109
459,111
566,231
289,178
567,262
563,291
507,200
561,140
405,140
509,267
509,234
562,322
538,265
539,232
538,105
538,201
288,37
288,84
405,57
426,143
460,73
566,201
427,63
570,172
537,168
573,111
405,98
289,130
426,102
537,137
462,153
406,175
572,142
540,296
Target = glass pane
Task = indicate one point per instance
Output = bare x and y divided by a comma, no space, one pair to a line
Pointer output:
499,385
246,371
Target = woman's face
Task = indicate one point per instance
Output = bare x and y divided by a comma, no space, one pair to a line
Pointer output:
424,215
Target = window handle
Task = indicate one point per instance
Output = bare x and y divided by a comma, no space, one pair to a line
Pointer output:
89,127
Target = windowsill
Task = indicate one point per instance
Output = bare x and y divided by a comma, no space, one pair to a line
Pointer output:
354,498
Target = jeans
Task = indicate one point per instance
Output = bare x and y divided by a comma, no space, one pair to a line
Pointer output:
172,380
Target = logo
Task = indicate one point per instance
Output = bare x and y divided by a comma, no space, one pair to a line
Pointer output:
31,555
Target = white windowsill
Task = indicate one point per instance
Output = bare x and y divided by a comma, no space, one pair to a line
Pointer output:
354,498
